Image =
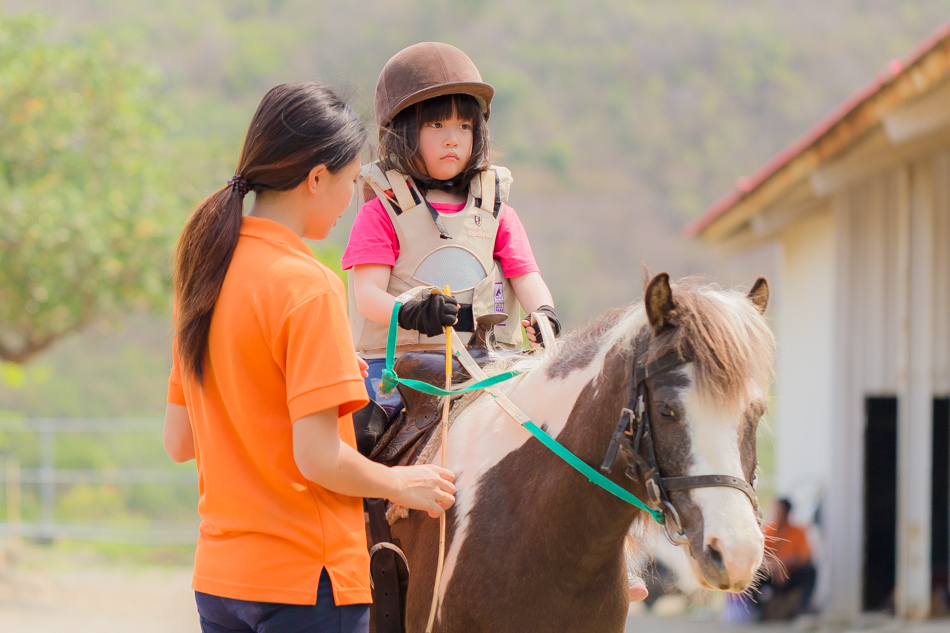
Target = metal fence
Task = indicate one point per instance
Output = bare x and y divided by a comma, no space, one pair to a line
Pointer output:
50,479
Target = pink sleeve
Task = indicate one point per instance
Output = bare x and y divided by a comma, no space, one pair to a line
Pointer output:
511,245
373,239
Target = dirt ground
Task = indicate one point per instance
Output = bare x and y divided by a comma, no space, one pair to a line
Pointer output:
43,590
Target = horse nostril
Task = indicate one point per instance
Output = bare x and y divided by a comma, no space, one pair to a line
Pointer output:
715,557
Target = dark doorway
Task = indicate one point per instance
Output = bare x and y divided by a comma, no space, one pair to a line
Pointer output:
880,503
940,499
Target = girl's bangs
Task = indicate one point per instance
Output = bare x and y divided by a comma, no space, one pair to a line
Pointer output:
445,106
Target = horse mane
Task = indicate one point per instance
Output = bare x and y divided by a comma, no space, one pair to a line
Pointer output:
720,331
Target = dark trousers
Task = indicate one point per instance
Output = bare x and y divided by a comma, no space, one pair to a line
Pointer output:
228,615
802,579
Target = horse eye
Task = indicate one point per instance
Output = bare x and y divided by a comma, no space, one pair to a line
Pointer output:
665,411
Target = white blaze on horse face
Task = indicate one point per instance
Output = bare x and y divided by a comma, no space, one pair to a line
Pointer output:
484,434
729,521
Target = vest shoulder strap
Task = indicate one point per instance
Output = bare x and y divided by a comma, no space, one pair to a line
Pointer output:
376,184
491,188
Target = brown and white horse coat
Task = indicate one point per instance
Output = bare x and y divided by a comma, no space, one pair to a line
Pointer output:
531,544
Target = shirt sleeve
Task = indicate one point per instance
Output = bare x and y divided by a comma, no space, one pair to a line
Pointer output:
372,239
512,248
321,368
176,394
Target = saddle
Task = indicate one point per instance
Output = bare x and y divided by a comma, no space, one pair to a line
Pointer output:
399,441
405,438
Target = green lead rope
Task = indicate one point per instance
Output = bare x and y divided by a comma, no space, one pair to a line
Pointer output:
390,380
588,471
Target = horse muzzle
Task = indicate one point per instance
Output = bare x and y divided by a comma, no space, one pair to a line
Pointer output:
727,553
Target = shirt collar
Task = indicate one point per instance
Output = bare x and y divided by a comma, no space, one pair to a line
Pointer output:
267,229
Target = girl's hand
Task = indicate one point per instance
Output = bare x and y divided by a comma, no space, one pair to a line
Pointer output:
364,368
424,487
429,315
534,333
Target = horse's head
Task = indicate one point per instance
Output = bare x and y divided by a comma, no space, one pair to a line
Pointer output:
704,364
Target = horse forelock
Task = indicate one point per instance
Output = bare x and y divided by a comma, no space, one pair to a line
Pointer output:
725,337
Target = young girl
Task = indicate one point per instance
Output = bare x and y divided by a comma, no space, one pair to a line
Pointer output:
265,378
439,217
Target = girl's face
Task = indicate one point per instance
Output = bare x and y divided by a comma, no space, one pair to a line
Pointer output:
332,194
446,147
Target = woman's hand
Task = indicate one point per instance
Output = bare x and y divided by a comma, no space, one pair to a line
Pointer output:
424,487
325,460
364,367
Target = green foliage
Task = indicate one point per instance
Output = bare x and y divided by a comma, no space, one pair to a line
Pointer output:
118,372
330,255
86,195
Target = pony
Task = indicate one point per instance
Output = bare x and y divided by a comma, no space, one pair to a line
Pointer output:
531,544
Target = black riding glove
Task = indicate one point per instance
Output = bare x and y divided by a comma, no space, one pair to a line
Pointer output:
549,312
430,315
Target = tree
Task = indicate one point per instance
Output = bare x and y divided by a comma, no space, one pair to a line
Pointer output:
88,205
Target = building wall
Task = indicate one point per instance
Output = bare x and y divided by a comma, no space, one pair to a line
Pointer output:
803,391
891,337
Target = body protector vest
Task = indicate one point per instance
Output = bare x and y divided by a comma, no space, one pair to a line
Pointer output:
436,249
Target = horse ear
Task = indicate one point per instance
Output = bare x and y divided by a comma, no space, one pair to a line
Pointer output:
658,300
759,295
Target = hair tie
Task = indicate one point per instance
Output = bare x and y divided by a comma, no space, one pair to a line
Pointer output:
239,185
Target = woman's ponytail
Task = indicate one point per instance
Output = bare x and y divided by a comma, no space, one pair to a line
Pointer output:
296,127
202,258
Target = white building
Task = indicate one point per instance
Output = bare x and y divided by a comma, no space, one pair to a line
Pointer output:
860,209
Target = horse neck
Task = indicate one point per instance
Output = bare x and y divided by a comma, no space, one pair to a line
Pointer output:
589,514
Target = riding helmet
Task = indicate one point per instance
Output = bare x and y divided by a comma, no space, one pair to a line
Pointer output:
423,71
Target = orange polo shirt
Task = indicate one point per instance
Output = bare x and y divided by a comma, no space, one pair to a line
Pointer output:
787,543
279,349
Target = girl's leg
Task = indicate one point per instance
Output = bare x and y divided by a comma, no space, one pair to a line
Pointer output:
390,402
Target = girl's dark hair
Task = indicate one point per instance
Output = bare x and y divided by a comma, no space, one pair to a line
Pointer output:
296,127
399,141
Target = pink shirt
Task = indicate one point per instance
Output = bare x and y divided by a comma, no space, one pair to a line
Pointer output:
373,239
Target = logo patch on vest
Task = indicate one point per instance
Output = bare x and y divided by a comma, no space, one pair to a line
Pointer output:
499,298
474,229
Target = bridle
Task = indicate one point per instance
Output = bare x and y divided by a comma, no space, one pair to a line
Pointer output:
634,434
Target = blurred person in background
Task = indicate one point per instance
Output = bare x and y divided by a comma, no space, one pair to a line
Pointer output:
790,574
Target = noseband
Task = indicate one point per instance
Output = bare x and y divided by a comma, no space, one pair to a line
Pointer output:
634,433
